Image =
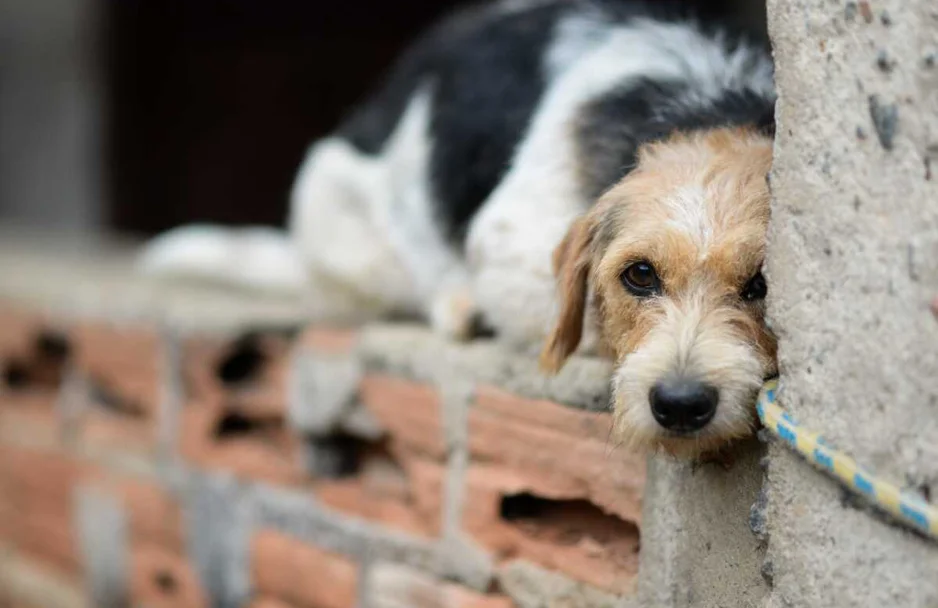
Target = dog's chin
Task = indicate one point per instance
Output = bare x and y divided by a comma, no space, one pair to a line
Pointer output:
690,447
646,436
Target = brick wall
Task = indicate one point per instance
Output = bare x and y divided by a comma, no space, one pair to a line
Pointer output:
148,464
170,445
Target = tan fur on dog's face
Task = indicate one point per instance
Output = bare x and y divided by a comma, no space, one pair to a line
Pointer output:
696,207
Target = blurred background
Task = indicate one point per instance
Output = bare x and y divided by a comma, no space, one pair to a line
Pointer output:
140,115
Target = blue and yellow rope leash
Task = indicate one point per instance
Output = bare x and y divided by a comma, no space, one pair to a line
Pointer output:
904,506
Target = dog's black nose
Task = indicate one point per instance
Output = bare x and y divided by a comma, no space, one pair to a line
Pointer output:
683,405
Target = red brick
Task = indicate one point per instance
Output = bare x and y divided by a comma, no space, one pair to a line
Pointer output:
33,476
36,487
125,360
393,585
8,517
18,329
263,392
269,602
27,401
19,333
461,597
116,431
29,500
522,446
328,340
47,537
410,411
270,454
302,574
574,538
427,483
558,451
160,578
400,490
30,414
155,516
122,362
28,411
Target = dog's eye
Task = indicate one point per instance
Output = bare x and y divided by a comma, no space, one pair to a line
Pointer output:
641,279
755,289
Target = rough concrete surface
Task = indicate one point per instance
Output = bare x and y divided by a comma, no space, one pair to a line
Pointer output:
218,519
321,389
415,352
533,587
303,518
697,546
852,266
74,276
102,535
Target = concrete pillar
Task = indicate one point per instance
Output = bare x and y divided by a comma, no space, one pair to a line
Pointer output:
852,266
698,550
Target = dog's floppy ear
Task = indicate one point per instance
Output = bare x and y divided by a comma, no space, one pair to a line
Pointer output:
571,267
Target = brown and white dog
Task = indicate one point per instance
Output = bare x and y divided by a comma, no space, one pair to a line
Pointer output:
671,256
447,192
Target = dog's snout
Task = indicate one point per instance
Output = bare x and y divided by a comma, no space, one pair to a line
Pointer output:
683,405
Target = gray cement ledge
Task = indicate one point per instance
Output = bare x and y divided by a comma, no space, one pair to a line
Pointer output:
414,352
71,276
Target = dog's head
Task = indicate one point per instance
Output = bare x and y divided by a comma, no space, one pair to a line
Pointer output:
671,259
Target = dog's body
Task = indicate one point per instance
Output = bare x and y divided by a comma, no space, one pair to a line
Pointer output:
446,194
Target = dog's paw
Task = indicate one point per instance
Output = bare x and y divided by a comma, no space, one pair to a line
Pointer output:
454,314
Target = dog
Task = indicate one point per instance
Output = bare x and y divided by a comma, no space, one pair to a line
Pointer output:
465,191
671,256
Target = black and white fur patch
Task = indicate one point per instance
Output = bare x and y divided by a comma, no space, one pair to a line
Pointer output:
485,66
444,194
610,129
488,71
